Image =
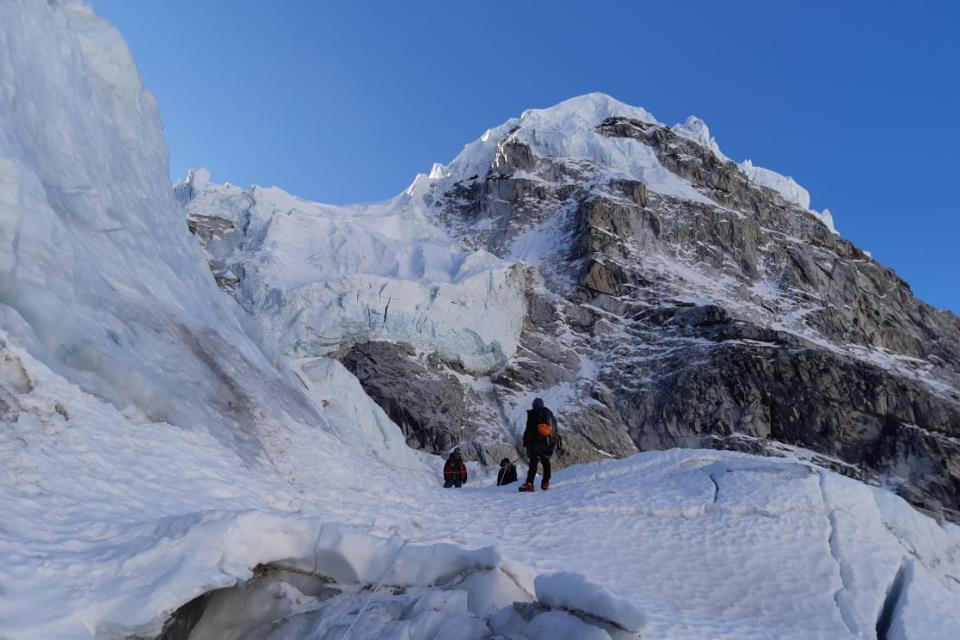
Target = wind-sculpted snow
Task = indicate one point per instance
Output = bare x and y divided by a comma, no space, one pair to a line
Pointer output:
573,592
697,130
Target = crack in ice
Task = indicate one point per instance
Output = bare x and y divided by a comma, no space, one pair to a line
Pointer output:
842,570
891,602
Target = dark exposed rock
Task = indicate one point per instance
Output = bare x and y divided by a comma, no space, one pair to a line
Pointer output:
209,227
737,326
181,623
9,407
513,155
427,404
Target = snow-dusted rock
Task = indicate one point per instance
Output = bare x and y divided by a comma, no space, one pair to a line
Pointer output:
697,130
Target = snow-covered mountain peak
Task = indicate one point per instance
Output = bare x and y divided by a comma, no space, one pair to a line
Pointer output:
581,113
567,129
569,132
566,133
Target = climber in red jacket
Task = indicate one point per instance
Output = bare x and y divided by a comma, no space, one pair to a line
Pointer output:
454,471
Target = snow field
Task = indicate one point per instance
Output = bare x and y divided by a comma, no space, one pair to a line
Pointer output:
140,518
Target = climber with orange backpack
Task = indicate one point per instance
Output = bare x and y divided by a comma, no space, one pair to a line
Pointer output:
540,438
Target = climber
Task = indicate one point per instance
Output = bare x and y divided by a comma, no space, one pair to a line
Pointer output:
454,470
540,439
507,473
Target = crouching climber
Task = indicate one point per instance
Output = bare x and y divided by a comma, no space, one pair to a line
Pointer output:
540,438
507,473
454,471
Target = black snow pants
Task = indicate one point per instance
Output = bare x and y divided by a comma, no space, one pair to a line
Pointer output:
532,472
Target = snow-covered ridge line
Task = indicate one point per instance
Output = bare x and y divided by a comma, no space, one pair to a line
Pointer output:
387,271
567,130
697,130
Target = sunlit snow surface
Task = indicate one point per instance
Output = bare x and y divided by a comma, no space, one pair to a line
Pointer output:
110,524
151,449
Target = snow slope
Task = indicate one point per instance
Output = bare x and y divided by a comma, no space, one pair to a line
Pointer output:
151,449
680,544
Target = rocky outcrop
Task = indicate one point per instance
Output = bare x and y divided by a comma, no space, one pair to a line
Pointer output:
730,324
431,400
860,301
426,403
677,302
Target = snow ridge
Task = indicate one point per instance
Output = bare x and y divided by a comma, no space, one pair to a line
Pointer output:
697,130
568,131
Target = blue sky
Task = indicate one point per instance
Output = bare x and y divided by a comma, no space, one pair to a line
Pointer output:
347,101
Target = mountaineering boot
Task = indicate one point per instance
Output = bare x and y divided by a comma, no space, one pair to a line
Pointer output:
526,486
545,485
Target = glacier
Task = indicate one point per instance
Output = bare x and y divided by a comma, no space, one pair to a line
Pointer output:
316,276
157,444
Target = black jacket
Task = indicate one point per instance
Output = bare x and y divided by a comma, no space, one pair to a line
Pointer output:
534,443
507,475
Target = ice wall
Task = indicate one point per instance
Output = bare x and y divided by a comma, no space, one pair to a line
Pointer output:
97,270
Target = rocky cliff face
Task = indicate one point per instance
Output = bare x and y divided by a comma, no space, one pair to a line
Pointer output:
669,299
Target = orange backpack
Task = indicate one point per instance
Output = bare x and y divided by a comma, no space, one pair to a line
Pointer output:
544,429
